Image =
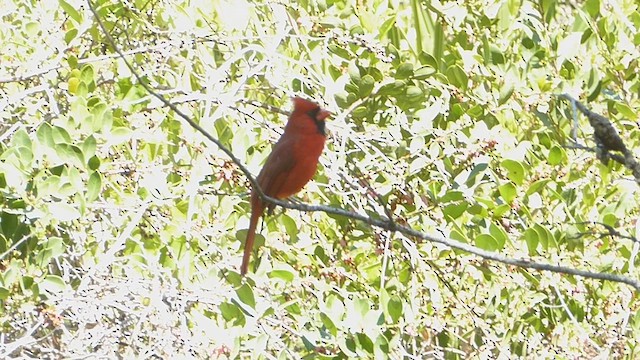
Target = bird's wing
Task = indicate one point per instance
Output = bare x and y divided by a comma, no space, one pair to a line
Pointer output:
277,167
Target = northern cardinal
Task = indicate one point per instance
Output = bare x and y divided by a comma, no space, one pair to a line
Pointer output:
291,164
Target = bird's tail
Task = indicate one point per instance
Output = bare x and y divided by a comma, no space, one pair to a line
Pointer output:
257,209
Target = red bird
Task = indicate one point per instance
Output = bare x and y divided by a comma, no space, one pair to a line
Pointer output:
291,164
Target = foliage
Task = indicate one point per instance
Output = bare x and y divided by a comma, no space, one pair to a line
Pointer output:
121,225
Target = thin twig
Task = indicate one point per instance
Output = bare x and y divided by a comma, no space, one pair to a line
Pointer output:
15,245
573,318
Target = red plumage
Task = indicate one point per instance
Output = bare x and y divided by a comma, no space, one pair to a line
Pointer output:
291,164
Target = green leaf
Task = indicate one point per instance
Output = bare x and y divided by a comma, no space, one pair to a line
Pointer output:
497,56
592,7
72,60
257,242
11,275
476,112
51,248
70,154
245,294
394,89
361,306
532,240
545,237
101,115
354,73
505,93
537,186
26,282
94,163
455,210
347,346
610,219
52,284
394,308
452,195
21,138
365,342
387,25
626,111
9,224
4,293
360,112
71,11
594,85
340,51
381,349
487,242
120,135
404,71
335,308
424,72
426,30
231,312
290,225
44,134
556,155
508,192
368,20
32,28
89,147
87,74
60,135
428,60
25,156
457,76
71,34
94,186
328,324
282,274
55,244
414,92
366,85
515,171
499,234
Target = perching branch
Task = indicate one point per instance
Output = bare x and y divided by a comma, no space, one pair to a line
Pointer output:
382,222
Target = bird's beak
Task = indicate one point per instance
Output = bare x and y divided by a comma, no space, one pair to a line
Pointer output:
323,114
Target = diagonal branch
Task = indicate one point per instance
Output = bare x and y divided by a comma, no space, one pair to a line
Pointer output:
382,222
